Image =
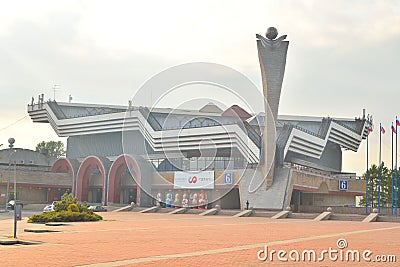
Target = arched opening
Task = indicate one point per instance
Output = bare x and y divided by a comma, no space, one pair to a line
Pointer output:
124,179
95,186
64,165
91,180
125,186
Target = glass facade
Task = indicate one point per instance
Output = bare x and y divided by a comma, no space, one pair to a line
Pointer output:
198,164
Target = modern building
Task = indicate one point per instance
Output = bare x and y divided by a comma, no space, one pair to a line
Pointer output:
124,154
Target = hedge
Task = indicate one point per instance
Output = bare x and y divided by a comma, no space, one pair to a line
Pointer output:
64,216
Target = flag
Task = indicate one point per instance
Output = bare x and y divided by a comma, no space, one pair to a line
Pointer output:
397,122
393,129
369,129
383,130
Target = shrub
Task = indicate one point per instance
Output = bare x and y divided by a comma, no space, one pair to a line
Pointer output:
66,200
85,208
66,210
64,216
73,208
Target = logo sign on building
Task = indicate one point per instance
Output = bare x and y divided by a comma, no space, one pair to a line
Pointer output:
343,185
228,178
194,180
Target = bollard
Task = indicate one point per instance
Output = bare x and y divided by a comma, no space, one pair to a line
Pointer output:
17,215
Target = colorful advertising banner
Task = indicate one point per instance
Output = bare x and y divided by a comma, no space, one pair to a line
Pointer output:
194,180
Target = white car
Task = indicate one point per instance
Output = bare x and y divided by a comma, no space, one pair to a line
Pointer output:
11,204
49,208
97,208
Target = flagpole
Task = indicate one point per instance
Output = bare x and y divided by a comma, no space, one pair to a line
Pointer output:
380,168
366,180
393,197
396,191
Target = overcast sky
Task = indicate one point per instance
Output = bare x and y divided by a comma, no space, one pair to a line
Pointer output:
343,55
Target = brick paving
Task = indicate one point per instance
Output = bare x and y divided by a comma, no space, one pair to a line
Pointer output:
134,239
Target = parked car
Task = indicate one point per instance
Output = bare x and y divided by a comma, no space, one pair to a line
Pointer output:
48,208
97,208
11,204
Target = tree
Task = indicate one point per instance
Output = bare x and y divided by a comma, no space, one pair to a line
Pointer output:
53,148
386,186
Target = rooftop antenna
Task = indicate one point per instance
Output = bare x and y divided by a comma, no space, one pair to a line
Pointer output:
55,88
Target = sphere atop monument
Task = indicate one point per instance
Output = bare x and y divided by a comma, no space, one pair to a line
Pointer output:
11,141
271,33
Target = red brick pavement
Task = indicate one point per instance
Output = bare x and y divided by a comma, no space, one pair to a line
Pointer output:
134,239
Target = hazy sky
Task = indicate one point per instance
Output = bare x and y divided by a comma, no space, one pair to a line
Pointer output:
343,55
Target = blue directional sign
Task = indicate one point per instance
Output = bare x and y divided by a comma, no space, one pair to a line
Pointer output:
228,178
343,185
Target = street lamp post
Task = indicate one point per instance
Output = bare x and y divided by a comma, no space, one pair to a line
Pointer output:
11,142
15,179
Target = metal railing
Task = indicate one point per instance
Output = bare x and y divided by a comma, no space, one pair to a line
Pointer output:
331,175
345,126
308,131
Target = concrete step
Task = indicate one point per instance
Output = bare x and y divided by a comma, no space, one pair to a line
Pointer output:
165,210
245,213
194,211
281,215
323,216
151,209
265,214
209,212
346,217
178,211
228,212
303,216
126,208
382,218
372,217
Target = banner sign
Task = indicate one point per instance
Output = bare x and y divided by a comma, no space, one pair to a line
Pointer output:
194,180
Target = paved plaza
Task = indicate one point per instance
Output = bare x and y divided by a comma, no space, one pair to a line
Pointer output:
134,239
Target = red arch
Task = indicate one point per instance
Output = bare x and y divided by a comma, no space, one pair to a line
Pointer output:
114,178
86,168
64,165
